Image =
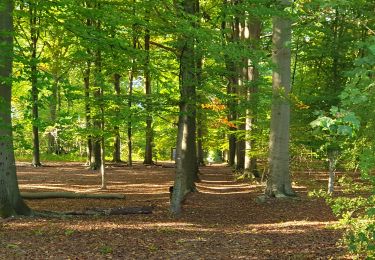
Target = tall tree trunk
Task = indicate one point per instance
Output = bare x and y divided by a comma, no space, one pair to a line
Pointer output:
200,151
34,36
279,182
232,116
117,144
97,123
11,202
186,168
52,136
254,27
201,117
130,97
86,81
149,130
232,84
98,120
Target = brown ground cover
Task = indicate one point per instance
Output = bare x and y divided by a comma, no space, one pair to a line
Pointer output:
222,221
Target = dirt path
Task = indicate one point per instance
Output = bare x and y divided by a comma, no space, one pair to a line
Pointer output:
222,221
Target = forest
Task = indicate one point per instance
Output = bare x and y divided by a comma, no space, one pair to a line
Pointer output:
187,129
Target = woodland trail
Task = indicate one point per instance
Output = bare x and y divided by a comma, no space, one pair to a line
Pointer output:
221,221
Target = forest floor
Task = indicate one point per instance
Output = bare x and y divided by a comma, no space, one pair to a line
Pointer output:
221,221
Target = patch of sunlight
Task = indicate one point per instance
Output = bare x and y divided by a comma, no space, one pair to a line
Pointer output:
207,181
301,226
137,226
46,186
226,187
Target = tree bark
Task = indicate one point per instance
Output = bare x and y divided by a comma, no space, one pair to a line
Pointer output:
332,159
254,27
96,160
149,130
11,202
86,81
53,146
186,162
34,36
117,143
279,182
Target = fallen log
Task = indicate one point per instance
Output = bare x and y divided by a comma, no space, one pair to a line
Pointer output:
69,195
113,211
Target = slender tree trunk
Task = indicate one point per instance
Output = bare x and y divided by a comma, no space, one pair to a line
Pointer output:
279,182
254,28
34,36
201,117
149,130
52,137
117,144
11,202
102,146
201,127
130,93
98,95
241,91
86,80
332,159
232,116
232,85
186,168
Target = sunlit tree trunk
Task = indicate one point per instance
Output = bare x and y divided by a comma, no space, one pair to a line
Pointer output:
186,162
332,160
149,130
96,137
201,116
88,123
34,38
254,27
11,202
130,97
117,143
279,181
53,146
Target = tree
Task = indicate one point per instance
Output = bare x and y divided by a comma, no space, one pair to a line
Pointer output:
186,162
11,202
252,75
149,131
279,182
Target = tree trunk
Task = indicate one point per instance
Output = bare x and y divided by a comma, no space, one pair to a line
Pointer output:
200,126
332,159
117,143
186,162
201,116
130,97
86,80
279,181
96,158
34,36
52,136
232,78
149,130
11,202
254,27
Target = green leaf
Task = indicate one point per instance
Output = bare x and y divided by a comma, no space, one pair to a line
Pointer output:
344,130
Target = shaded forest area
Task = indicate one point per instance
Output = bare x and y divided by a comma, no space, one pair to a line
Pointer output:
252,104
